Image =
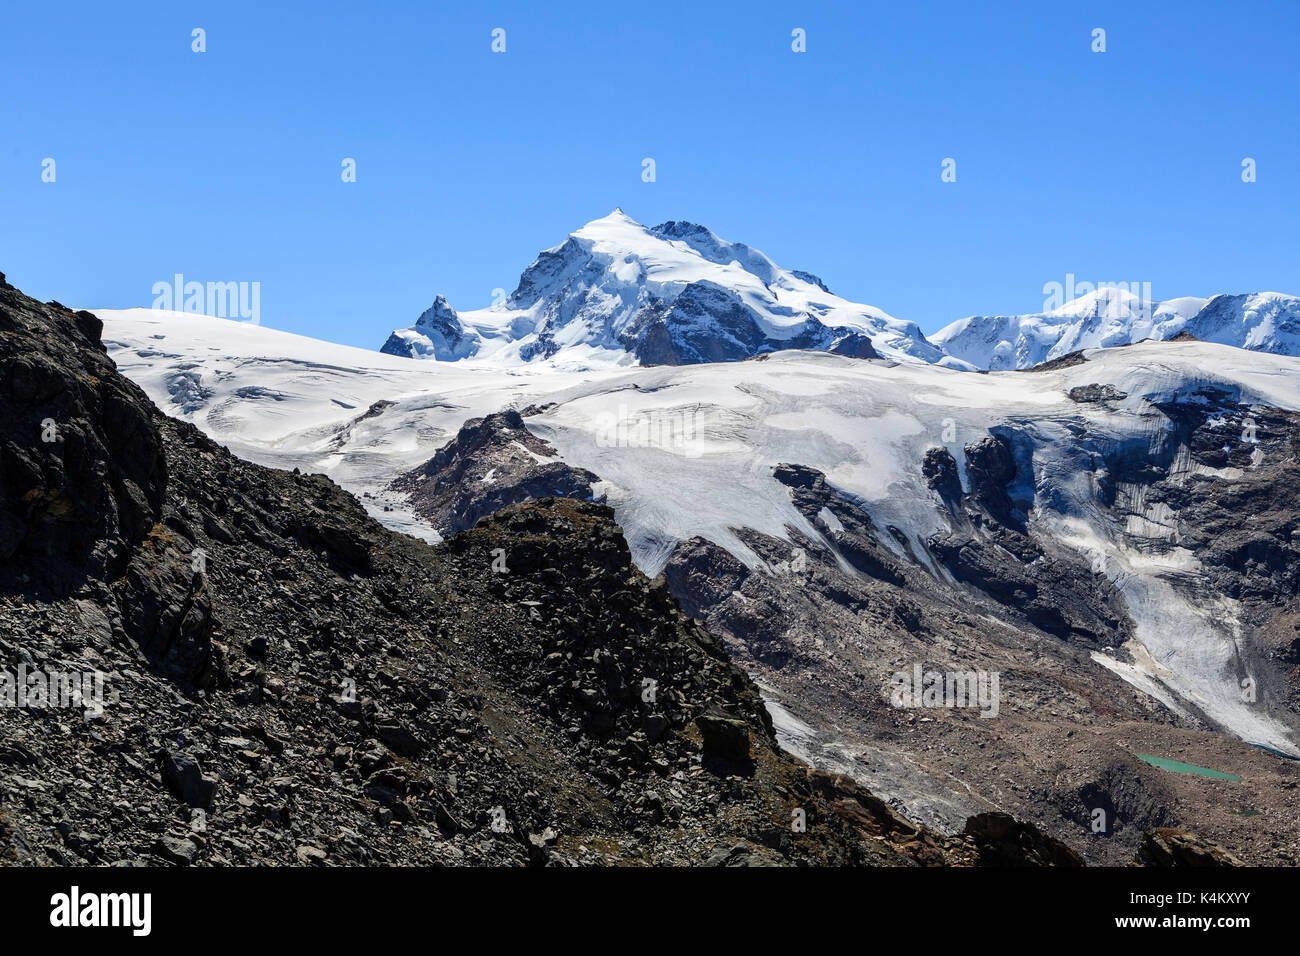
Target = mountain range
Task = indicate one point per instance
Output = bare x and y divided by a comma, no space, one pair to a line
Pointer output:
618,292
1107,317
1115,533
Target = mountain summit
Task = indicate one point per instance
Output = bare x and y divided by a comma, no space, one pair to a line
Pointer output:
674,294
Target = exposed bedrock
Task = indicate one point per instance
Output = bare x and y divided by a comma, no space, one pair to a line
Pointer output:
492,462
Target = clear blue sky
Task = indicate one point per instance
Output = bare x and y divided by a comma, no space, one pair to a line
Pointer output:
225,166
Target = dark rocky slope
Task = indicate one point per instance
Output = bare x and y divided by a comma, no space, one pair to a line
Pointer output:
290,683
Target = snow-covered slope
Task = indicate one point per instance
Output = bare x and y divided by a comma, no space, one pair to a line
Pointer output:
290,401
690,451
618,292
1262,321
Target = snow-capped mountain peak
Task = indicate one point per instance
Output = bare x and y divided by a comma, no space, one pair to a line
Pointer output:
436,333
1109,316
616,291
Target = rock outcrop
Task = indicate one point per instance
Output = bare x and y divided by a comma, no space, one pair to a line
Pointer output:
492,462
1171,847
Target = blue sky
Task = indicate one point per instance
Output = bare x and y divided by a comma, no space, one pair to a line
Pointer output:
1123,166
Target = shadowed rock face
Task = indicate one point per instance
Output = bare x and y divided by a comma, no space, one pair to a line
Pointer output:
82,473
990,470
706,323
284,681
940,470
